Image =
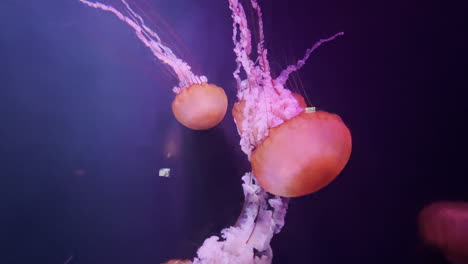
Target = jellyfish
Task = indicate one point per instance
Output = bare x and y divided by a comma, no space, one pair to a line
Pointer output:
198,104
293,150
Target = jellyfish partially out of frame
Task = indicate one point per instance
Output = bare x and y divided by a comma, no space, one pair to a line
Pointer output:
444,225
198,105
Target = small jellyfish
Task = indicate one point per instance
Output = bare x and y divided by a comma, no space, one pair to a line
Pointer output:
198,105
164,172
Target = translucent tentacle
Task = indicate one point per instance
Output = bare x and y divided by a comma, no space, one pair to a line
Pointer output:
261,51
248,242
283,77
241,37
154,43
267,104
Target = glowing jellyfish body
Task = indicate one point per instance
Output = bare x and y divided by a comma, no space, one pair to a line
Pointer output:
200,106
196,109
303,154
292,152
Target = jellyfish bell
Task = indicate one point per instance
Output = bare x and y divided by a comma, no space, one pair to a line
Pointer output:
302,155
200,106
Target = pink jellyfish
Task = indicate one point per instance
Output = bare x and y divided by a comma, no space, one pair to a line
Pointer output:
293,150
198,104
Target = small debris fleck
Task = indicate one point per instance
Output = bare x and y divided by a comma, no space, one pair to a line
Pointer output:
164,172
310,109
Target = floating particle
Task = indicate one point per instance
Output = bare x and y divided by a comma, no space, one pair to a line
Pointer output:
164,172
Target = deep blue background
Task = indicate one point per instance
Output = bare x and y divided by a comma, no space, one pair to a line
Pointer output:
80,92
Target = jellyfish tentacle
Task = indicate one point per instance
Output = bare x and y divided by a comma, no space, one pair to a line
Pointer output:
248,241
261,51
266,103
243,46
151,40
283,77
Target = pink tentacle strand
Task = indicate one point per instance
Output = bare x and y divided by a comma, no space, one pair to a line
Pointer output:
266,103
283,77
261,52
154,43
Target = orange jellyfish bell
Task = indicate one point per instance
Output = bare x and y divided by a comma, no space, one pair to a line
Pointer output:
302,155
200,106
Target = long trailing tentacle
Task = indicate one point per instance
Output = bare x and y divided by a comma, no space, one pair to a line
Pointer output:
283,77
153,42
261,51
241,38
